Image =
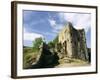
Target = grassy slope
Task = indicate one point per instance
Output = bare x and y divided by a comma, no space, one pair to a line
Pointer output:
29,56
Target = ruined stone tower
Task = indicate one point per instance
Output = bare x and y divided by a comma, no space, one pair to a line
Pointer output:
73,42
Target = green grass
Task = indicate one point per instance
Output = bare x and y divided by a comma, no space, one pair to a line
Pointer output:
29,56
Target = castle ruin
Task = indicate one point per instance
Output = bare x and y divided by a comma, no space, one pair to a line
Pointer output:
71,45
73,42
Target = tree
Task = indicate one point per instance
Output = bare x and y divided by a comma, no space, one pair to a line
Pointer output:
55,41
52,44
36,43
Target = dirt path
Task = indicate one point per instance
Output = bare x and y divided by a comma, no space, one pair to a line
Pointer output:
72,63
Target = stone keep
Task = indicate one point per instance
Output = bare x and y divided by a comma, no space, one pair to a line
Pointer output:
73,42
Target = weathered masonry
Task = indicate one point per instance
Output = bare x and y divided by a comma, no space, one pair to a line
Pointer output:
73,42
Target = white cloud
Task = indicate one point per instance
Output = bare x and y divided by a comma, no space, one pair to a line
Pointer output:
78,20
52,22
68,16
84,21
31,36
54,31
56,27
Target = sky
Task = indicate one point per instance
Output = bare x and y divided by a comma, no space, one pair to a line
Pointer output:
47,24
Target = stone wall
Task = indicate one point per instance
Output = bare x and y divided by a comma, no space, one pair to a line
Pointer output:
46,58
73,42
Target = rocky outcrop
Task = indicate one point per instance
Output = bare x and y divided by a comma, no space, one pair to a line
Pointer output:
46,58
